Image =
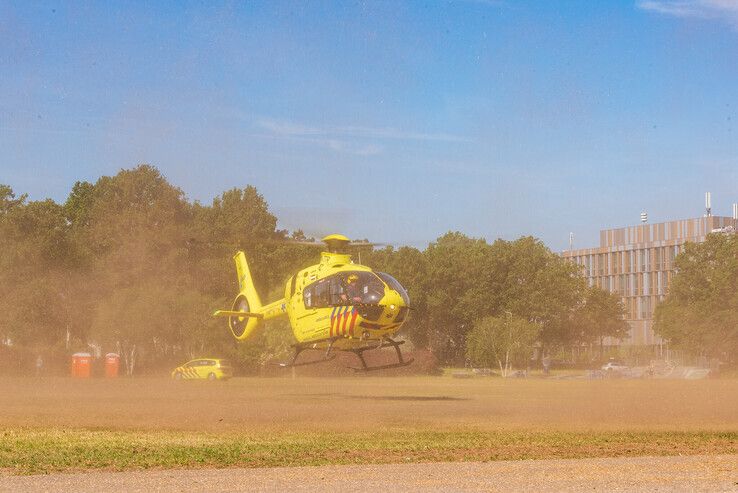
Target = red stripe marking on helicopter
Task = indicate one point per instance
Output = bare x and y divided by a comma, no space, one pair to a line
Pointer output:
354,314
333,318
345,319
337,324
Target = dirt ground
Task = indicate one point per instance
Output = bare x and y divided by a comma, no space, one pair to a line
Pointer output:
651,474
366,403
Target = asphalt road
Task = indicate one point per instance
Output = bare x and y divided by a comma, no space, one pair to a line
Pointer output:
692,473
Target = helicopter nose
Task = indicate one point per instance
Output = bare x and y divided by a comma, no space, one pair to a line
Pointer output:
393,301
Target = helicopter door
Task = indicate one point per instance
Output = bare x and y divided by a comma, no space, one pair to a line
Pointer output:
301,300
315,319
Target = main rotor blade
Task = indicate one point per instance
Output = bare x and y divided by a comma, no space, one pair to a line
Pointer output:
281,241
303,242
367,243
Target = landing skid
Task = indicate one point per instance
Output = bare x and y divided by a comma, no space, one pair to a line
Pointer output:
387,342
299,348
329,354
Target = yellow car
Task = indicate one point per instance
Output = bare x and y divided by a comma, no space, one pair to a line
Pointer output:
204,369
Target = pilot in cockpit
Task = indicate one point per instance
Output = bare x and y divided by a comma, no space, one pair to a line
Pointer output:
352,290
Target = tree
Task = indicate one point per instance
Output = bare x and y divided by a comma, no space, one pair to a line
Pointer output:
459,279
134,226
240,219
456,267
128,263
700,313
34,252
599,315
78,206
8,200
469,279
136,206
501,341
539,286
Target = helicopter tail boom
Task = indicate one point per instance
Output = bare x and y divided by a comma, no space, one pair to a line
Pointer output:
248,312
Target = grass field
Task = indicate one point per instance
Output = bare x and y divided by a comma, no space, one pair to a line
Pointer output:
61,424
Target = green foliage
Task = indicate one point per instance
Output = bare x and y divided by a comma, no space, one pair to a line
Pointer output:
78,206
34,250
468,279
537,285
502,342
600,315
8,202
128,263
700,313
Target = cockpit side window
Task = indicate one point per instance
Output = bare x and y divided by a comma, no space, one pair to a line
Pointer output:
322,292
356,287
317,295
344,288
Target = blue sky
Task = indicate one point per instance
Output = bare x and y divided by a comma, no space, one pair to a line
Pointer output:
396,121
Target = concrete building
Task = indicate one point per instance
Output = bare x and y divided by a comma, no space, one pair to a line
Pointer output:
637,263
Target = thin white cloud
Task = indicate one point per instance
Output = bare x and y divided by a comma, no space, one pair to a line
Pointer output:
393,133
349,148
337,145
355,140
725,10
282,127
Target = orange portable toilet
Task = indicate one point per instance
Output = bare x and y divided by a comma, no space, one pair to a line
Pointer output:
112,365
81,365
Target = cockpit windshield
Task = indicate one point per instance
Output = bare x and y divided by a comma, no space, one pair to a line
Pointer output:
395,285
344,288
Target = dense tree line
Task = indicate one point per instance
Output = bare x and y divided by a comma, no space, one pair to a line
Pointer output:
700,314
131,265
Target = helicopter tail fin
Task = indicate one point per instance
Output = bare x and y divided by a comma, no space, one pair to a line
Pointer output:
245,283
247,301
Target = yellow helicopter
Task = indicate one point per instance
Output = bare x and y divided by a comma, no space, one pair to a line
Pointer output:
336,305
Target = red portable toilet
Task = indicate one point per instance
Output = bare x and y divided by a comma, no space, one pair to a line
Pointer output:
112,365
81,365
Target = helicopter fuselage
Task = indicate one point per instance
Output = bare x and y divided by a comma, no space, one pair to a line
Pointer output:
335,304
323,307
